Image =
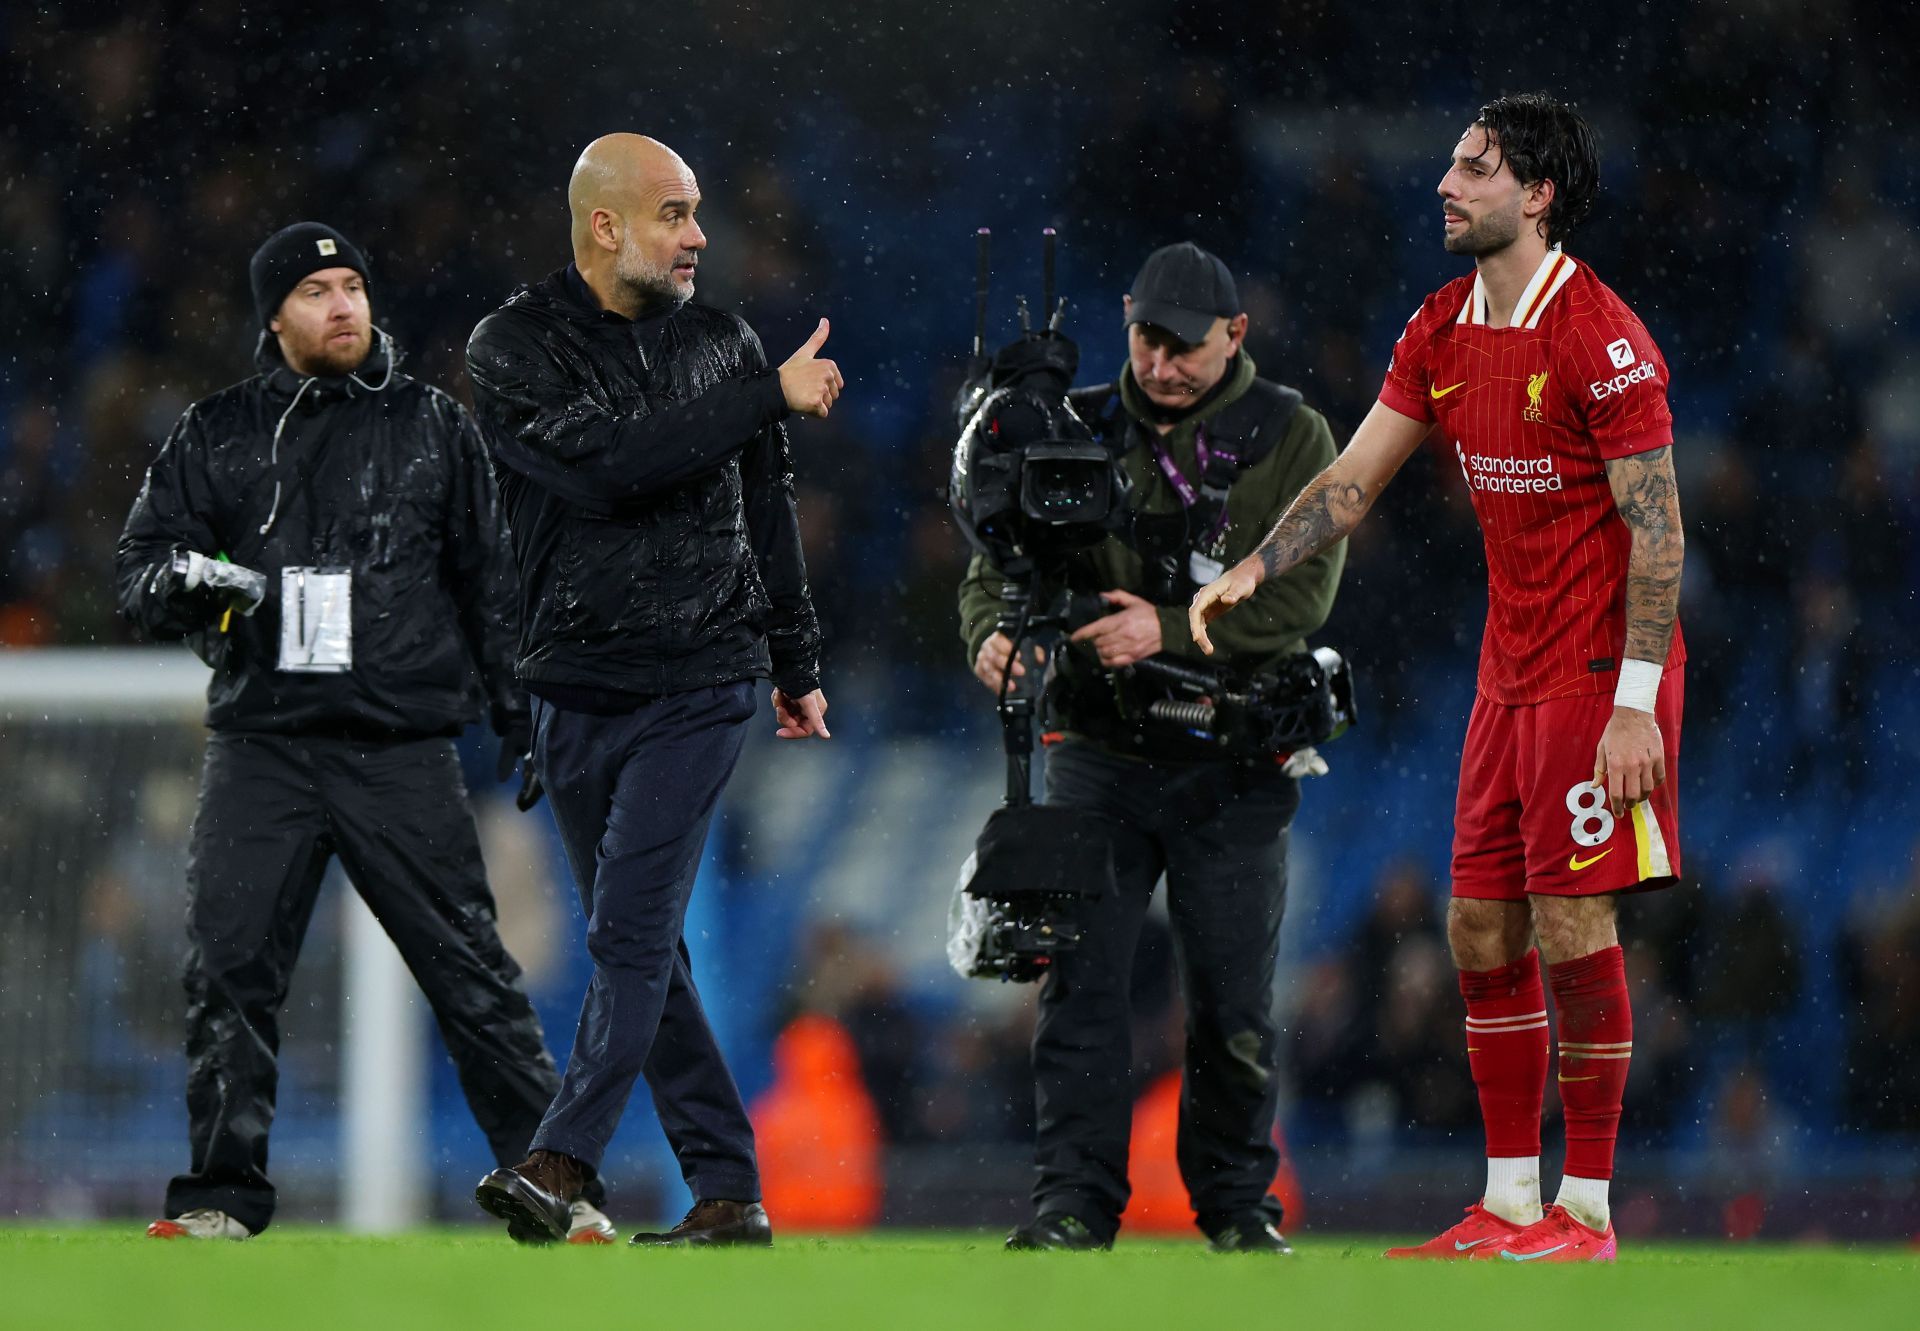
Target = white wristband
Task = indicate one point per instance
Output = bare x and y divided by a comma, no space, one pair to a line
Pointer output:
1639,685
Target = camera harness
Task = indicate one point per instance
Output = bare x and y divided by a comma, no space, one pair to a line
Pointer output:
1241,436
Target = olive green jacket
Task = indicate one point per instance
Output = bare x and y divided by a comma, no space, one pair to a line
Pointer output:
1273,623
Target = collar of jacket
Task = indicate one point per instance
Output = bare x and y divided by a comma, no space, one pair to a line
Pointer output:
1233,387
283,381
571,290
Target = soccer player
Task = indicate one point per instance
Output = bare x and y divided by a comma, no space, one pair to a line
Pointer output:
1553,399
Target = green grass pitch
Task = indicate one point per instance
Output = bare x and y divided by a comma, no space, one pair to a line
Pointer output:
112,1277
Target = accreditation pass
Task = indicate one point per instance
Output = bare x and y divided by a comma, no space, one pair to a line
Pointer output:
316,620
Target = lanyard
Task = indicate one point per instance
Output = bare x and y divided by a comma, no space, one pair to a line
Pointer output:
1189,496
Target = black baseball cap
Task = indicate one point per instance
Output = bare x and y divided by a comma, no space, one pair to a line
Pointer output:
1183,289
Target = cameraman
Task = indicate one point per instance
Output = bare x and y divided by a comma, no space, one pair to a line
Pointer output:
1215,455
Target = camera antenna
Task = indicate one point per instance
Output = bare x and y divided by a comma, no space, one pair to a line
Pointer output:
985,238
1046,271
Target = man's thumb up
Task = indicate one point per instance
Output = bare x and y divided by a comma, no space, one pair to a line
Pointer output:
810,384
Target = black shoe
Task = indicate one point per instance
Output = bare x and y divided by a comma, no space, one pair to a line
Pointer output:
715,1224
1254,1233
534,1197
1058,1231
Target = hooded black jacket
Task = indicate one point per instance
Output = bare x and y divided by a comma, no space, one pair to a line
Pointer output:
376,472
649,490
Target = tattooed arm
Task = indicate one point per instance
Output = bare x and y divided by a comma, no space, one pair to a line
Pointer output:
1631,760
1331,506
1649,501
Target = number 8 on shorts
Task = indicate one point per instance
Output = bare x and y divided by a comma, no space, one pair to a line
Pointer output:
1592,820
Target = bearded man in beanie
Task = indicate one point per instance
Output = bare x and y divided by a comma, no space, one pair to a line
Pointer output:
328,537
1215,454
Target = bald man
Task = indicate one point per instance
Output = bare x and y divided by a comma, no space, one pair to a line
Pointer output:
644,465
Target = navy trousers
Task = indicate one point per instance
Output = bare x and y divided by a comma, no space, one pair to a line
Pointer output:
633,796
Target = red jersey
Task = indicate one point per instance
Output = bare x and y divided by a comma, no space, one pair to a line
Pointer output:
1533,412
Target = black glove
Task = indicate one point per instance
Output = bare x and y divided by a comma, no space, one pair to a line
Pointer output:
516,750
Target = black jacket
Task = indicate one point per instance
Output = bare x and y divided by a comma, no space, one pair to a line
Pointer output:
378,473
649,490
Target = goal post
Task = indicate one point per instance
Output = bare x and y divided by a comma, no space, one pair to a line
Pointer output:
99,751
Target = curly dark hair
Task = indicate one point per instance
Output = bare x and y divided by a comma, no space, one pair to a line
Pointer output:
1542,138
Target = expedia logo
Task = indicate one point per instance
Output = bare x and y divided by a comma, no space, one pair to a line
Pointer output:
1620,383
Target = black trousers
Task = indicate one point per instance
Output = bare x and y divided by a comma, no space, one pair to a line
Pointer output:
1219,834
273,810
633,796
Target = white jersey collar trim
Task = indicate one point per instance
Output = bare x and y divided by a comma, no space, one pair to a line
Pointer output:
1554,272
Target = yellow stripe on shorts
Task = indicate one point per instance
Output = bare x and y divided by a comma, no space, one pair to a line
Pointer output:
1650,845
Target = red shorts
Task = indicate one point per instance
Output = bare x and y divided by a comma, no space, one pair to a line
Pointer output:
1530,819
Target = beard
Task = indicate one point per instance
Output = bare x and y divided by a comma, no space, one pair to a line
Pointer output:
649,281
1491,234
328,361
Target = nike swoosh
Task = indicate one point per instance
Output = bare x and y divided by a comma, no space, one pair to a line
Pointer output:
1458,1246
1513,1256
1439,393
1575,863
1594,1078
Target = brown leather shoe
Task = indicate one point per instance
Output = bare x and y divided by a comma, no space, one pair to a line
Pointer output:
534,1196
715,1224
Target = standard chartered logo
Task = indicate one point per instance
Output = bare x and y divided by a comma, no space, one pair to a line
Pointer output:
1494,475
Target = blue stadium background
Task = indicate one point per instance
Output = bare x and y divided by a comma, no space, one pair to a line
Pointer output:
1759,211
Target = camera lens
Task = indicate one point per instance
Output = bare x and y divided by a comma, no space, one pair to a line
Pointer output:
1058,489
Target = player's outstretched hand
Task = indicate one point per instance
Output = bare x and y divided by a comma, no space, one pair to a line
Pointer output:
1631,762
809,382
802,717
1220,596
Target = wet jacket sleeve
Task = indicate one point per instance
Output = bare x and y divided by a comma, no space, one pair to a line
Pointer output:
171,515
981,604
1287,608
773,525
478,567
546,423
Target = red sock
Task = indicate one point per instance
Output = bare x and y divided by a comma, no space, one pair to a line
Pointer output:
1507,1050
1596,1042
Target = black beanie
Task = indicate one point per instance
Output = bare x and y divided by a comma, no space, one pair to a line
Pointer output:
290,254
